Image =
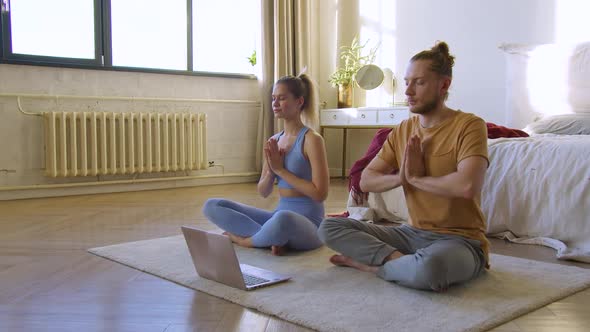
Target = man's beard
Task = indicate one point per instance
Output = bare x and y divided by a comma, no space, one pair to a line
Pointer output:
427,108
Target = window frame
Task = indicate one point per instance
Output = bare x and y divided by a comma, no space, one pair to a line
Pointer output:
103,48
8,55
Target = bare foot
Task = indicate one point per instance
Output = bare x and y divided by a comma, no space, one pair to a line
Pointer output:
278,250
342,260
241,241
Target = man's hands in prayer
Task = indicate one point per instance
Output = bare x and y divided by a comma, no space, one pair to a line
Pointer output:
413,165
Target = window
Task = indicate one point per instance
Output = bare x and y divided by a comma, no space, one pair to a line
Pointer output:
147,34
70,36
214,36
224,39
46,31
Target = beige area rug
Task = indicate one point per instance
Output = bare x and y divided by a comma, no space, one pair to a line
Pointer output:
329,298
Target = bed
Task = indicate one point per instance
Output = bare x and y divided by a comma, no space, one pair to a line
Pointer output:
537,189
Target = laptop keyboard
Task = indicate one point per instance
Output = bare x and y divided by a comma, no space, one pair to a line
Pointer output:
251,280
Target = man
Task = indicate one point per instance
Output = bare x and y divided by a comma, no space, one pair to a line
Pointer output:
441,158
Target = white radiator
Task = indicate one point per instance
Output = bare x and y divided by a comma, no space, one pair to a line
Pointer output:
102,143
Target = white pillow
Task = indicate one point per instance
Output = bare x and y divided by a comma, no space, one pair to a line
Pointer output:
566,124
546,80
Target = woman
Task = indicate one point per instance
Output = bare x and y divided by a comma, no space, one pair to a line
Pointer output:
297,158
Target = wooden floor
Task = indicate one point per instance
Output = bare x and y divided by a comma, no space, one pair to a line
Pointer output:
48,282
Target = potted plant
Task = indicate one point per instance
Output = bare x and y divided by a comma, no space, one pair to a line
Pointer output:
352,59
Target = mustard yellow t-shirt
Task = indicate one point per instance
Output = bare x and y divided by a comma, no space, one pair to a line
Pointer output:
460,136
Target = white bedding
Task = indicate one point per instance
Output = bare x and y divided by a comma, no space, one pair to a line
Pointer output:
537,191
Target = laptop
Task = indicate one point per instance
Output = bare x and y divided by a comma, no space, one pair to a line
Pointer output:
214,258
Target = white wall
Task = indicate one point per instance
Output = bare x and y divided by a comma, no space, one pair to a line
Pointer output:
472,28
231,135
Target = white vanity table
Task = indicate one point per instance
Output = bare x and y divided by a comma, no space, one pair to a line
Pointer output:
360,118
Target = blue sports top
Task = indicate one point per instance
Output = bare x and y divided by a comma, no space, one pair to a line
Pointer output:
295,161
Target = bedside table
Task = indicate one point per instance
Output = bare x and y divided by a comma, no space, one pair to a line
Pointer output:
360,118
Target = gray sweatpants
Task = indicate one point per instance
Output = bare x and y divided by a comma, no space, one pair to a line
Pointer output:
432,261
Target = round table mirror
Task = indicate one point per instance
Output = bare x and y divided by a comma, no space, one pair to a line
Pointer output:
368,77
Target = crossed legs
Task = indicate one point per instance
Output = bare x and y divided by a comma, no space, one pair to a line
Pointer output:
410,257
252,227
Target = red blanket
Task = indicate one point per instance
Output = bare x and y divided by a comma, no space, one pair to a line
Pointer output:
494,131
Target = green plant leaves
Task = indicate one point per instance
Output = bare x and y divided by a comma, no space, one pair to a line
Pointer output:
352,59
252,58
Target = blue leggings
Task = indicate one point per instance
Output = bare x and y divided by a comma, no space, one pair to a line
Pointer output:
293,223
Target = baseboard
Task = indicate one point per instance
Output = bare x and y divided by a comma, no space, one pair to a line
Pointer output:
123,187
337,172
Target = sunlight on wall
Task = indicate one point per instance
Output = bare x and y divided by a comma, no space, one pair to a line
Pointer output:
377,19
571,21
548,68
547,78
